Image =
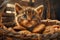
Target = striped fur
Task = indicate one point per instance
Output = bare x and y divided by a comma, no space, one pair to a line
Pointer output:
28,17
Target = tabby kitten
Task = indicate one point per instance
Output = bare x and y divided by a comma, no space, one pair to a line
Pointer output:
29,17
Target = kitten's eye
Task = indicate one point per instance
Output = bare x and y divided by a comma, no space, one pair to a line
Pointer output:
33,17
24,16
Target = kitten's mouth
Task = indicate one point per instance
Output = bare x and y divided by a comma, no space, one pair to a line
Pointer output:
28,25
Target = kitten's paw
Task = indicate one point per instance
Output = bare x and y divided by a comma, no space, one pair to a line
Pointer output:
25,32
19,28
39,28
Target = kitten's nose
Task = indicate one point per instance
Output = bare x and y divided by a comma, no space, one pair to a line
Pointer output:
29,19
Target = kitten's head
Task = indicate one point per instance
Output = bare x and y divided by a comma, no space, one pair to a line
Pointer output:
28,17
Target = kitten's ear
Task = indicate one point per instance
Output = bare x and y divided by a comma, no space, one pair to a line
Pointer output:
18,8
39,9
